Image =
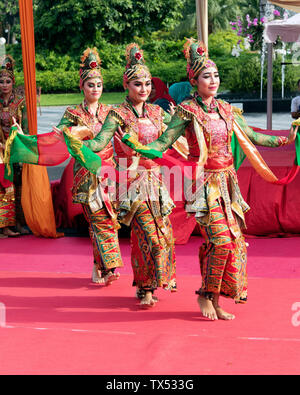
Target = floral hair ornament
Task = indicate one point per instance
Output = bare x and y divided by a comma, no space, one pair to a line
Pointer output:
197,58
7,64
90,66
135,64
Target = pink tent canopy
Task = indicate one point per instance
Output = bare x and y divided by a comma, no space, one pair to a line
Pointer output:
288,30
293,5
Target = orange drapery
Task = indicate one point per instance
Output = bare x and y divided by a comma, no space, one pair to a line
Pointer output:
36,193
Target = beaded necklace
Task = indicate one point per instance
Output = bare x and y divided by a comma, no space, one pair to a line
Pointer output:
129,104
211,108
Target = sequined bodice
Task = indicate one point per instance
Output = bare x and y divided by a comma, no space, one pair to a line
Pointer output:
219,154
147,132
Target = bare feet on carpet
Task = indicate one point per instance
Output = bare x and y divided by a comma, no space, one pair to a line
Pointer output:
9,233
110,277
222,314
140,294
96,275
148,301
22,230
207,308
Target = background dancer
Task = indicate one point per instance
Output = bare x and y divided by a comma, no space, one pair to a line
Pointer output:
12,106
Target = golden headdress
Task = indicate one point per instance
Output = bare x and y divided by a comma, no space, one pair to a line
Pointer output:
7,64
90,66
135,64
197,58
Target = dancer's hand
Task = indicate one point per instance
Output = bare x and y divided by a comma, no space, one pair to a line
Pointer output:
58,133
172,108
292,134
15,124
82,132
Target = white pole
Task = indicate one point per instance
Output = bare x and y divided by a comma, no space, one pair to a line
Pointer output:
270,87
202,20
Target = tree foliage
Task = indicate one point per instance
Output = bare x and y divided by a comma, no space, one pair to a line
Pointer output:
9,21
220,13
71,24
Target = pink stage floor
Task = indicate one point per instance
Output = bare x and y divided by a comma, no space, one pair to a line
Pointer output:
53,320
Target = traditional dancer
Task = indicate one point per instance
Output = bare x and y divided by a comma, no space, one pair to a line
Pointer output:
160,95
181,91
12,107
219,207
146,204
85,121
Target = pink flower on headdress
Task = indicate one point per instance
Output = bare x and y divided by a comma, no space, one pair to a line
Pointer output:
8,66
200,51
93,65
138,55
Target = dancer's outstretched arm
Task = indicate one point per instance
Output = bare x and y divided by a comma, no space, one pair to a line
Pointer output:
264,139
104,136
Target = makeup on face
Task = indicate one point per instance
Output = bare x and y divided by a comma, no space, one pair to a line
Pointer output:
6,85
92,89
208,82
139,90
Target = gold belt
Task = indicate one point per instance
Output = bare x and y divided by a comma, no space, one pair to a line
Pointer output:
219,170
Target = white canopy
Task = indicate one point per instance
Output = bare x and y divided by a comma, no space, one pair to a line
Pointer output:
288,30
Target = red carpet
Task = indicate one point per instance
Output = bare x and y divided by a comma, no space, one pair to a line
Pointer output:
57,322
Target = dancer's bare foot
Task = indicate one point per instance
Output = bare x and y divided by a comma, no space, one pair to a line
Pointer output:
8,232
111,277
207,308
148,301
2,236
222,314
140,294
22,230
96,276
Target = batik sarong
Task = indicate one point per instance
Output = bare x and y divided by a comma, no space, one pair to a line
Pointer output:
223,259
104,236
152,252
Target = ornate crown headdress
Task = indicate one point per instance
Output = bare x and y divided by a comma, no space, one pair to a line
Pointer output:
7,64
135,64
90,66
197,58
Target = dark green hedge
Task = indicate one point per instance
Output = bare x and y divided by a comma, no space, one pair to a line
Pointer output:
164,56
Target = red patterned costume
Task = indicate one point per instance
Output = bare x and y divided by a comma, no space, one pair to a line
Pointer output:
218,205
10,194
86,188
143,202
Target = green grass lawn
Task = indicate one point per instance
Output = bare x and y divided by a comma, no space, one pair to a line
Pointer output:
67,99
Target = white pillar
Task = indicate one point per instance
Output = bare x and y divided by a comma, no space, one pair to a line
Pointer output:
270,87
202,20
